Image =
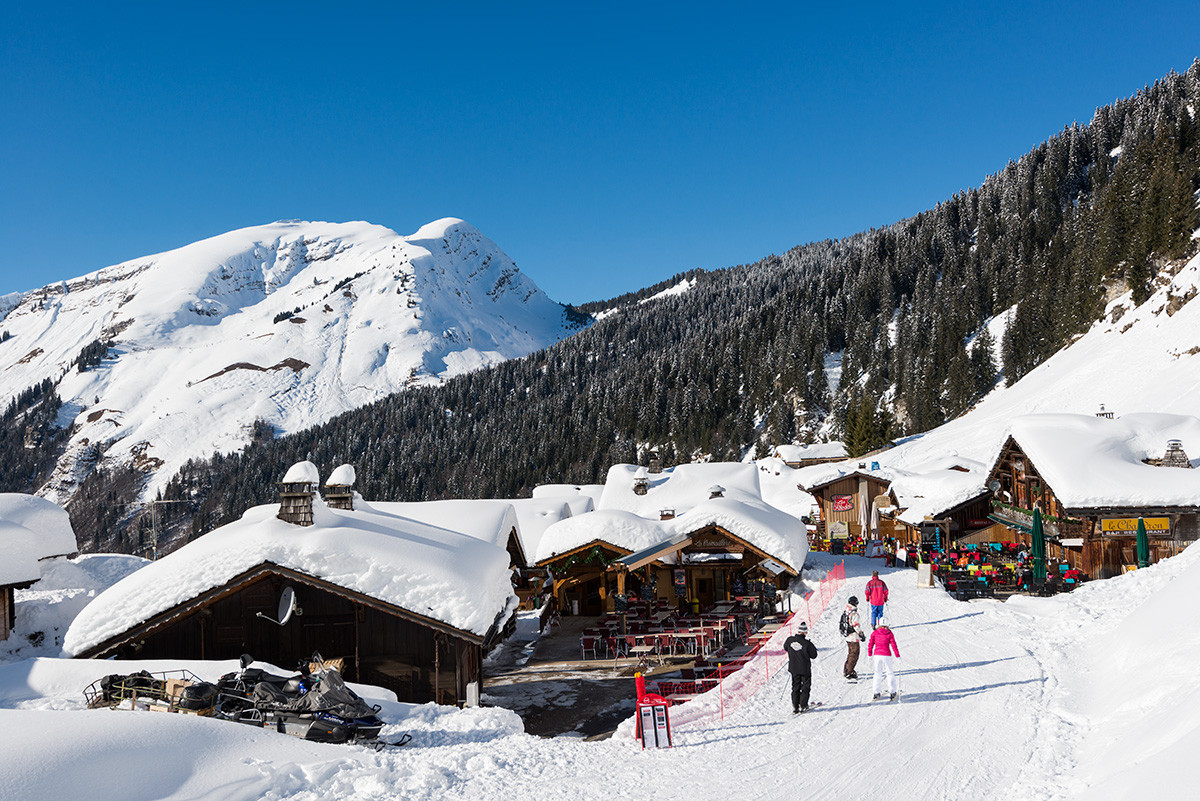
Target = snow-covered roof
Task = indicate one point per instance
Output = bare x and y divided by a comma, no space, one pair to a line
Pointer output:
577,495
772,531
1091,461
342,476
31,528
538,514
679,488
623,529
450,577
818,450
487,520
18,565
925,489
302,472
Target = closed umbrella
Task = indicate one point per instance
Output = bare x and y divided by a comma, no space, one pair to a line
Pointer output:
1039,548
1143,545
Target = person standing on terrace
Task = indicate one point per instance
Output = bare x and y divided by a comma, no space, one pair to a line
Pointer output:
877,595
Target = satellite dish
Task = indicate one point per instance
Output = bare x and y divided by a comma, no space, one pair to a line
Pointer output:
994,486
287,607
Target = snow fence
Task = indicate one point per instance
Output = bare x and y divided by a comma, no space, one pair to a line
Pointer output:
735,686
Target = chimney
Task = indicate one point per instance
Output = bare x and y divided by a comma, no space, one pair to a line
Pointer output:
338,489
1176,457
666,514
716,491
655,462
1104,413
641,482
296,494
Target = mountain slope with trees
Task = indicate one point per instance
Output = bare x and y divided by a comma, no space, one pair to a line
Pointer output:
739,359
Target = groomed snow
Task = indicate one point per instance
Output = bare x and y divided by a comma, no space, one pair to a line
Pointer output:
441,574
1082,696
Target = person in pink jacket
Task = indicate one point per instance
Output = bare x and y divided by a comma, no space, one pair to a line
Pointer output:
883,650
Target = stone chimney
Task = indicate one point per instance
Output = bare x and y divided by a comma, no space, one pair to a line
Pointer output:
641,482
1105,413
666,514
655,462
1176,456
339,492
296,494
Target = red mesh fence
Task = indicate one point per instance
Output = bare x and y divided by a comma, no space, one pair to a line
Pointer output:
711,698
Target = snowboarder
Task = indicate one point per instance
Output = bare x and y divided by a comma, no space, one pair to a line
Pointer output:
851,629
877,595
883,649
800,653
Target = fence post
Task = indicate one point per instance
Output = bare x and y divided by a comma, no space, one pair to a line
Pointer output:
721,688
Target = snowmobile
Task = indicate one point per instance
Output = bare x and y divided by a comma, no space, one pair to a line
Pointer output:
314,704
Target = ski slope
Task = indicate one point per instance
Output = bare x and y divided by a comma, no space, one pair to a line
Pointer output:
1078,696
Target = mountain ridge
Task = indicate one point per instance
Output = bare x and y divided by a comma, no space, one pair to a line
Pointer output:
274,327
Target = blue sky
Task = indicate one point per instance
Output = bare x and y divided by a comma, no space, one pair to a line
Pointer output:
604,147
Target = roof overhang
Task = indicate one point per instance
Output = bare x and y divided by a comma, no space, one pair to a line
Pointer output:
178,612
652,554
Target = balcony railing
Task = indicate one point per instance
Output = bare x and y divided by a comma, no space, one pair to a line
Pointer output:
1023,518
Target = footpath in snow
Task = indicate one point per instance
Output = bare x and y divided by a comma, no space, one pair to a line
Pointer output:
1079,696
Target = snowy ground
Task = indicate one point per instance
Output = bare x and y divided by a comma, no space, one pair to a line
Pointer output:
1080,696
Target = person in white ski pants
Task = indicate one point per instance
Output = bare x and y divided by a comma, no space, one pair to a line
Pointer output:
883,650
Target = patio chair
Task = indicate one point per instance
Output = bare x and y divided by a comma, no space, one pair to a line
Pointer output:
587,645
664,643
615,646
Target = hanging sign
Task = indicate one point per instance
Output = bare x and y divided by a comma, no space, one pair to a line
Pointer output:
680,582
843,503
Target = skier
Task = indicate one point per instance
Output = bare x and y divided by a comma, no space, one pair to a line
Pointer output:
877,595
882,647
851,629
800,653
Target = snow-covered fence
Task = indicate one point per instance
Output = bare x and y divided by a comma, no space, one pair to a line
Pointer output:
733,690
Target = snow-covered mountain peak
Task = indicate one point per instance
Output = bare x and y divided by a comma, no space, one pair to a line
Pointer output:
287,324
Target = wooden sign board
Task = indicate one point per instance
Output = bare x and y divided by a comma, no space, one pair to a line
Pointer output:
839,530
843,503
1128,525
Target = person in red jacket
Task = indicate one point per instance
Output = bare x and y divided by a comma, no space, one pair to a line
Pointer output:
877,595
883,650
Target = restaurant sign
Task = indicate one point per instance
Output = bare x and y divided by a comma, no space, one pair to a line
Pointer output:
1128,525
843,503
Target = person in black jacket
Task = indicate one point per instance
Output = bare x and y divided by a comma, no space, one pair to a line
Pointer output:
800,653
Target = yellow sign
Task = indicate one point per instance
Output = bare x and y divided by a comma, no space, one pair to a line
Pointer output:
1116,525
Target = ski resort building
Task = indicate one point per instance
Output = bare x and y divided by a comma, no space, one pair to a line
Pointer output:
32,530
1092,478
686,539
407,605
798,456
940,500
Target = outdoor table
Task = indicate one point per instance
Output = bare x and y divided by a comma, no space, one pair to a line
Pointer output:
686,635
642,651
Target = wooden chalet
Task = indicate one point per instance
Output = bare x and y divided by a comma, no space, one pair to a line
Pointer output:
32,531
800,456
386,635
848,499
690,558
1097,538
8,606
417,657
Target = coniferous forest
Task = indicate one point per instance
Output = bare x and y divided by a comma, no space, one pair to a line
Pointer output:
738,361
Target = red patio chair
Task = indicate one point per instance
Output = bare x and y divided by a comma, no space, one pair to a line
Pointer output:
587,645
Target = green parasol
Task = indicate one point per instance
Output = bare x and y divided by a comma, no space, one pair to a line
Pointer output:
1143,545
1039,548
